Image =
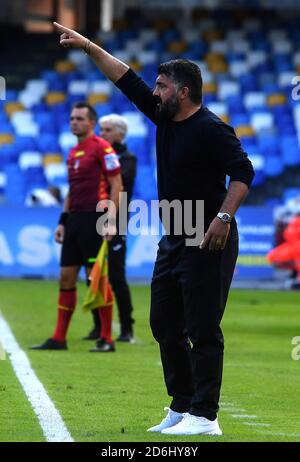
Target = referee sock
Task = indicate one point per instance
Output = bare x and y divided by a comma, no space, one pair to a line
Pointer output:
105,315
66,306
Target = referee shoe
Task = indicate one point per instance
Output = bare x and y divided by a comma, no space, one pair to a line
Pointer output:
50,344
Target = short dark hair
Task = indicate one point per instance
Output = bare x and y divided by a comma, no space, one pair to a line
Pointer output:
91,111
186,74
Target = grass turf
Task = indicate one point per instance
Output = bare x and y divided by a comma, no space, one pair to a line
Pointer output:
115,397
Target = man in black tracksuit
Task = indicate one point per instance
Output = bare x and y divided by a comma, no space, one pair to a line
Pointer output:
190,285
113,129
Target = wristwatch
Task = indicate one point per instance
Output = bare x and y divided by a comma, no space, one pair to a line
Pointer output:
224,217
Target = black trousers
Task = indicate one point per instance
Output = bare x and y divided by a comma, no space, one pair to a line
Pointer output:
188,296
117,279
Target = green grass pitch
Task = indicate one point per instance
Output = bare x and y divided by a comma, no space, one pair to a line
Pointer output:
115,397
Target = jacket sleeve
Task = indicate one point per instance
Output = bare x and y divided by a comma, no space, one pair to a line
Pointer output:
227,153
129,169
139,93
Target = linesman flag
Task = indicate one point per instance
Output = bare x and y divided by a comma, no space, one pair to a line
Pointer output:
99,294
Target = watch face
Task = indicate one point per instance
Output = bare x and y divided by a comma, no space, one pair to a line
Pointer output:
225,217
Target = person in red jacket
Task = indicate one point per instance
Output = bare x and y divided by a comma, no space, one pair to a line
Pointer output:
287,254
94,174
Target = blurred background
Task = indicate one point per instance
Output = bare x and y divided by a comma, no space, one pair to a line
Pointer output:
249,55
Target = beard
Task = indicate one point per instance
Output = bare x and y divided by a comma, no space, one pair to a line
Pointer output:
168,109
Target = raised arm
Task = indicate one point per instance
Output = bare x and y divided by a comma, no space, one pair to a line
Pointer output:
110,66
114,69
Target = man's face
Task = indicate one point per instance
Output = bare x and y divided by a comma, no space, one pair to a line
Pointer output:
80,123
110,133
166,92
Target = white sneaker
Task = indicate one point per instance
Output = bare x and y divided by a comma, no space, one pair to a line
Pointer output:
171,419
193,425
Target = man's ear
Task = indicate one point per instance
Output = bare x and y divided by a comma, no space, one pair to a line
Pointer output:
185,92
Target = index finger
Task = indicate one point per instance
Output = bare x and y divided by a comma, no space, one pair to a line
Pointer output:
204,241
61,28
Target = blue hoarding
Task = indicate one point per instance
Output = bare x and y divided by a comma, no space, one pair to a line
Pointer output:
28,249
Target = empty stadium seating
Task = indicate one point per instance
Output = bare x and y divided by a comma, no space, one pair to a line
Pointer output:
247,65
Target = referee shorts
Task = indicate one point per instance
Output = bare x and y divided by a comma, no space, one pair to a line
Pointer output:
81,241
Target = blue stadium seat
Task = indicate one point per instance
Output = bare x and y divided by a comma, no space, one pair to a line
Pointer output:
290,151
11,95
239,118
139,146
60,108
104,109
268,142
77,98
199,49
120,103
34,177
145,183
235,104
290,193
15,187
3,118
232,56
6,127
155,45
273,166
54,80
47,142
8,154
46,121
291,157
270,87
274,147
25,143
170,35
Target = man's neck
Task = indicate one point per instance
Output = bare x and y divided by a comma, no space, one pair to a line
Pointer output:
185,113
82,138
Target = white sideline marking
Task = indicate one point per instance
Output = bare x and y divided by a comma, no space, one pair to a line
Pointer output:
229,407
279,433
256,424
232,409
49,418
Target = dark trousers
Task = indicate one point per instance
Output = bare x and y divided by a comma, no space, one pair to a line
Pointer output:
117,279
188,296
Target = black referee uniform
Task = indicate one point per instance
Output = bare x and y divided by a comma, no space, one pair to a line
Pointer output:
190,286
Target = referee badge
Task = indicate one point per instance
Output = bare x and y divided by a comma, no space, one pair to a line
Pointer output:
111,161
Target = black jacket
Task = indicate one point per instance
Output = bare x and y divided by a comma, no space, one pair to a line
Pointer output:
128,163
